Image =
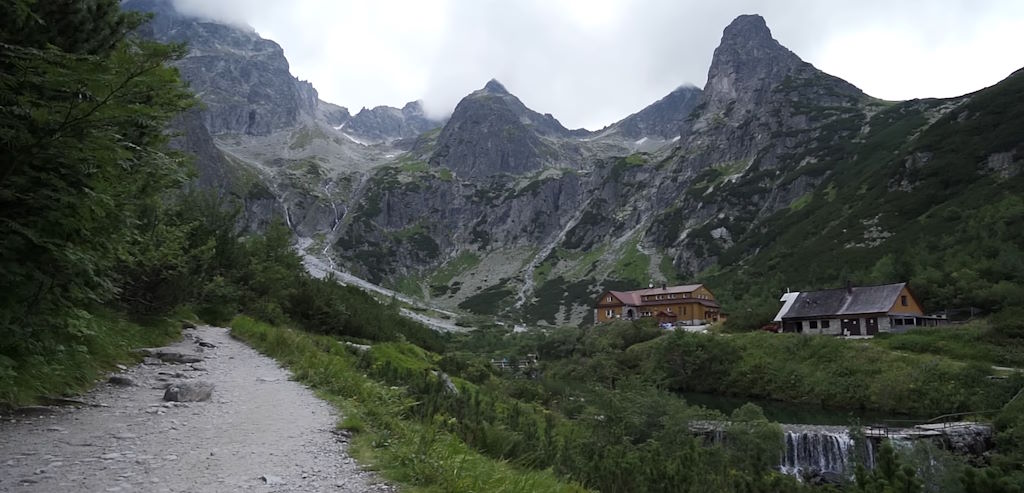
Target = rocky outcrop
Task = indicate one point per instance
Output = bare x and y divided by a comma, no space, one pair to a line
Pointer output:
410,222
387,124
763,108
663,119
491,132
244,80
756,91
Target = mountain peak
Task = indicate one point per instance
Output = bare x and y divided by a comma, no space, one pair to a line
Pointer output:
495,87
747,42
747,28
749,63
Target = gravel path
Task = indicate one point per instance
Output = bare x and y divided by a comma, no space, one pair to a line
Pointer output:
260,432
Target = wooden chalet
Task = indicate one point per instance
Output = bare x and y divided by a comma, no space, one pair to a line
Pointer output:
691,304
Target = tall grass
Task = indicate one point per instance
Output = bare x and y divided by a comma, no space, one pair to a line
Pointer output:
415,453
977,342
73,365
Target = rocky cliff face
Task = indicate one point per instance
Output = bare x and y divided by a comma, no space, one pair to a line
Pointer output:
758,90
491,132
764,114
263,137
663,119
243,79
387,124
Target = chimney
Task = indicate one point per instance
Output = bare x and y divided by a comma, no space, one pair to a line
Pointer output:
663,287
650,284
849,286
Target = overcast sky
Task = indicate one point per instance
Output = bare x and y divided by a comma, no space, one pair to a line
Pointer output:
592,62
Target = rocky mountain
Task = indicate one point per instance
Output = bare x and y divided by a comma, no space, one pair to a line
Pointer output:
768,136
387,124
774,175
493,132
662,121
262,136
243,79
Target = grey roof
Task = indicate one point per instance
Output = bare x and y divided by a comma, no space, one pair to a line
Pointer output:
838,302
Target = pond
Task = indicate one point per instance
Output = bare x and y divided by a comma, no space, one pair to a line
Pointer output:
791,413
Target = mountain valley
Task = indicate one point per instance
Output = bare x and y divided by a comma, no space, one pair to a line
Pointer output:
499,210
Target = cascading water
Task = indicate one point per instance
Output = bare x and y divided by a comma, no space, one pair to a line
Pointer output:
821,451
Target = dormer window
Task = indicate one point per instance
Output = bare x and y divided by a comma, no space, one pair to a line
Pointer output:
608,299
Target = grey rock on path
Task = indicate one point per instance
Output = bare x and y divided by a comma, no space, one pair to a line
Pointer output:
258,424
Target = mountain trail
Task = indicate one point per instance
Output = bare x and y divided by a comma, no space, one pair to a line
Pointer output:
259,431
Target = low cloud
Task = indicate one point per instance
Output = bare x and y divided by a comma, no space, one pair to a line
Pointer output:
592,62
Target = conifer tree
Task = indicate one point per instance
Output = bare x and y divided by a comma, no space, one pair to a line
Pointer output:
83,112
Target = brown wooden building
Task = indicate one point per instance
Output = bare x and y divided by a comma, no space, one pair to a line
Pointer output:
691,304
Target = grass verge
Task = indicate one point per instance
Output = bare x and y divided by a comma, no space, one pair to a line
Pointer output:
412,452
977,341
74,365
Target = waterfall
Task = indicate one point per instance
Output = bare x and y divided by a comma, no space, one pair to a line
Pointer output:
822,451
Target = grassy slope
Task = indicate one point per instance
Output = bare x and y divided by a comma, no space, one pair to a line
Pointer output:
78,363
829,372
420,455
976,342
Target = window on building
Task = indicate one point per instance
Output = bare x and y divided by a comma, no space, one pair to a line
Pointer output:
686,295
813,324
669,309
824,324
608,299
903,300
609,313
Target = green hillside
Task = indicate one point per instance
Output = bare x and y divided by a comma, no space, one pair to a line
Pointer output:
941,205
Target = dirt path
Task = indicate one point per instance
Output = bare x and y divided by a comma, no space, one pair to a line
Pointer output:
260,431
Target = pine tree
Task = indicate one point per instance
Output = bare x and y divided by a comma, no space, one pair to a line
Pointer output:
83,157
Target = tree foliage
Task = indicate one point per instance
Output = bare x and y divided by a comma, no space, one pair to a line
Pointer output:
83,158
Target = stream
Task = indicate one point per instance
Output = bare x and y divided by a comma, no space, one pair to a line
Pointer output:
818,443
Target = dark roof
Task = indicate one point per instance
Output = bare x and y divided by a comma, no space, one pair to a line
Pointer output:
845,301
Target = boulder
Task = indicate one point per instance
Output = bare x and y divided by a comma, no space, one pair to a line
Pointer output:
168,355
189,392
121,380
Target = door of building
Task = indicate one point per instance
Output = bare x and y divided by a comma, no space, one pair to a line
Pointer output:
851,326
872,326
